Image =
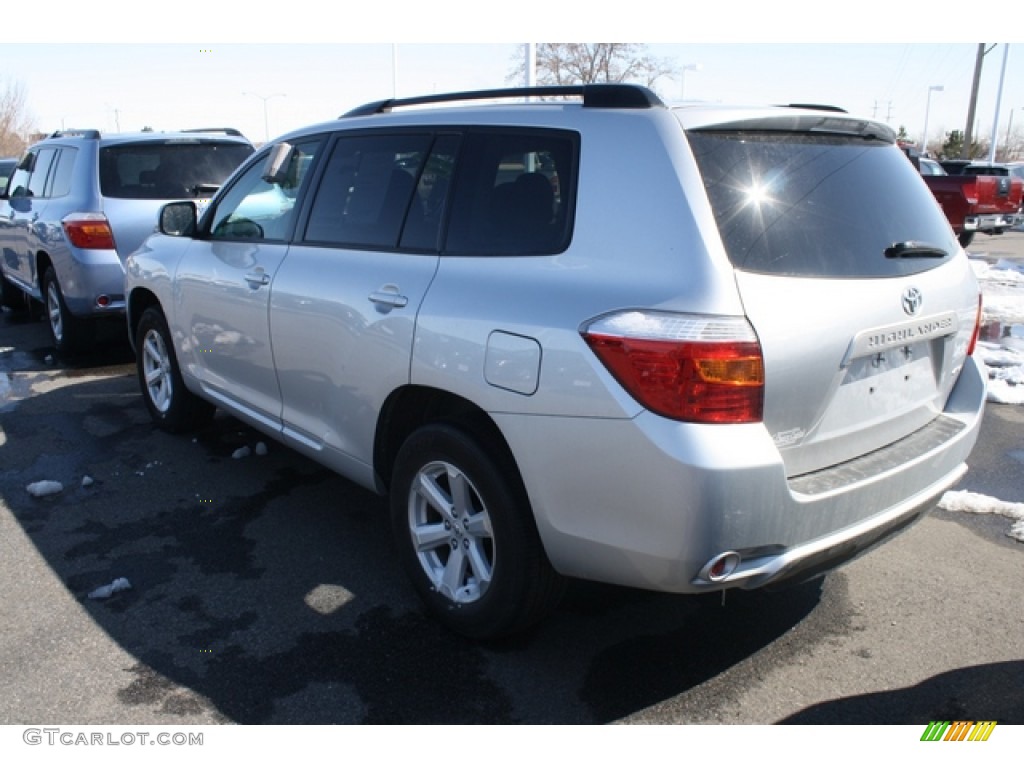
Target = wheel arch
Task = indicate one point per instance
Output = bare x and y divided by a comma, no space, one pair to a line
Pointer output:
138,302
43,263
411,407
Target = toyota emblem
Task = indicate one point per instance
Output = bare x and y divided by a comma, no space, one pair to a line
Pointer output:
912,300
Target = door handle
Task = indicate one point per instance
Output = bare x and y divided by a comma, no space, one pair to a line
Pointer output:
257,278
388,297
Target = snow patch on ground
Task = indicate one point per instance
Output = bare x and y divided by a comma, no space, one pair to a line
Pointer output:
117,585
42,488
980,504
1002,347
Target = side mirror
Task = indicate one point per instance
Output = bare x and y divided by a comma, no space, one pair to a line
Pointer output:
178,219
276,169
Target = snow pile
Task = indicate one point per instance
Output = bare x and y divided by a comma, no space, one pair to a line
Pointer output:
1002,286
980,504
44,488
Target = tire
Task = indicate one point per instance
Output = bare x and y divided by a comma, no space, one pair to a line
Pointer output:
965,238
69,333
170,404
466,536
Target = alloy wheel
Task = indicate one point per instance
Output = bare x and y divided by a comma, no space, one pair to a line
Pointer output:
451,532
156,366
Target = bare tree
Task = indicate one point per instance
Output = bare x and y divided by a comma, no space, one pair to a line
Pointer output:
584,63
15,122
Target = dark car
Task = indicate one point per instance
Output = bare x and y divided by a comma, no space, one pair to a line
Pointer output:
7,166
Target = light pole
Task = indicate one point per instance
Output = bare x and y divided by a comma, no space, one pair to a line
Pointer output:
927,108
682,78
266,124
1009,126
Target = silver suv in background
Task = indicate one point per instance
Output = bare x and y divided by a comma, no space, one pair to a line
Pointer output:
79,202
683,349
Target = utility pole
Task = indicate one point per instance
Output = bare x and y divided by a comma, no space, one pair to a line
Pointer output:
969,130
999,102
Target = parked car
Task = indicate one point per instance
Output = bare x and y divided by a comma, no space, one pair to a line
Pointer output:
79,202
7,165
683,349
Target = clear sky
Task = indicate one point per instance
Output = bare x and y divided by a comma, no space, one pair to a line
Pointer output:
122,65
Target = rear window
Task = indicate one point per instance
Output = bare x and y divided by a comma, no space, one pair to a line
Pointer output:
818,205
167,170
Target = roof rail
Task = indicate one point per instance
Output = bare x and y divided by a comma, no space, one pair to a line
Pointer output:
605,95
819,107
83,133
225,131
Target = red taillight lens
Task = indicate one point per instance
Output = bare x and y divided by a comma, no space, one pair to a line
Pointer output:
89,230
977,329
705,370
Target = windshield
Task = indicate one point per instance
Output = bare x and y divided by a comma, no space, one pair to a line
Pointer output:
818,205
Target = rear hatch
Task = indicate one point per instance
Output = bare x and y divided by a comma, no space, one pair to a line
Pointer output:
137,178
861,297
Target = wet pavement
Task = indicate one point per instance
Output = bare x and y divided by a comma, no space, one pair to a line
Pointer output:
265,590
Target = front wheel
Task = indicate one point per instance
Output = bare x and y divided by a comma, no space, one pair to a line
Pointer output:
965,238
170,404
466,536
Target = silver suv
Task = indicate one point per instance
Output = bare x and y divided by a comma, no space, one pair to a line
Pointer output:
79,202
679,349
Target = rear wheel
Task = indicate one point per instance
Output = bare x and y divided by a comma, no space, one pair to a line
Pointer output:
70,333
965,238
170,404
466,536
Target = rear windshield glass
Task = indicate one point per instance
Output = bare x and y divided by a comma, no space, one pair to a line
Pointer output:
818,205
161,171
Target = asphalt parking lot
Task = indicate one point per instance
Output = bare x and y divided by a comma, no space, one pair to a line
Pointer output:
264,590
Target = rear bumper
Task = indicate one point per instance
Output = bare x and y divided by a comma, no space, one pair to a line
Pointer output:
808,560
92,282
651,503
992,221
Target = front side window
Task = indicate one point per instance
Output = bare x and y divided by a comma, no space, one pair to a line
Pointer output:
29,179
18,183
260,207
514,193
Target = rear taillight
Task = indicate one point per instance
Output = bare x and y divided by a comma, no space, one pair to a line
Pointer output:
686,367
88,230
977,330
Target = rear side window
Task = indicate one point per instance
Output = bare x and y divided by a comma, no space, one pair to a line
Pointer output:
514,193
817,205
367,190
61,185
167,170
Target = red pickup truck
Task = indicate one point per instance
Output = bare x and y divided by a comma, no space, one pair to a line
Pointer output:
973,203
